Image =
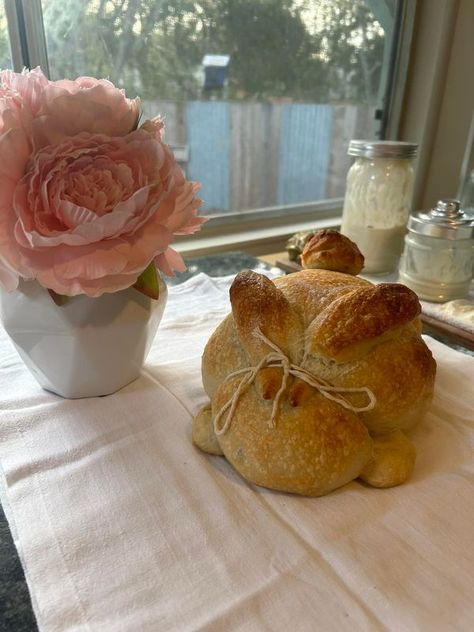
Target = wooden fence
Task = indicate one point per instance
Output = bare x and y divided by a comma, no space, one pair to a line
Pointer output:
253,155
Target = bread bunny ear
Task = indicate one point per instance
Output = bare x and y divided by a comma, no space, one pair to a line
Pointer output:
258,305
355,322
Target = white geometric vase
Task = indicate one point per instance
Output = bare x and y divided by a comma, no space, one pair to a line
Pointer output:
87,347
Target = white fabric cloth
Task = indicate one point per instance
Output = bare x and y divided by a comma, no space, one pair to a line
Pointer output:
459,312
123,525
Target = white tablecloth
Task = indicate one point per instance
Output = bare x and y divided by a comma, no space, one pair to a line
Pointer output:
122,524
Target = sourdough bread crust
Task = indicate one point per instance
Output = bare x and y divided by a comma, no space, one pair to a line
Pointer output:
329,250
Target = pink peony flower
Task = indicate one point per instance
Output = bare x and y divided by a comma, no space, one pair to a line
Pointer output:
64,108
86,200
83,105
29,85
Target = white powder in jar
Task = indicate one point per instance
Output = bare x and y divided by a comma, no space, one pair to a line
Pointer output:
381,247
437,269
376,209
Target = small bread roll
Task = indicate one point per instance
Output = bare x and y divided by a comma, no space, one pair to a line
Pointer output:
329,250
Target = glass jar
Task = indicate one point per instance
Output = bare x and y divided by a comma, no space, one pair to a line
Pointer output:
377,201
438,258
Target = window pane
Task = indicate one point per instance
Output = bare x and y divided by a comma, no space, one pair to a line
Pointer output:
261,97
5,53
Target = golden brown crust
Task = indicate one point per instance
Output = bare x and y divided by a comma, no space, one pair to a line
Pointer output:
359,317
392,462
400,371
223,354
258,305
330,250
314,447
203,432
309,292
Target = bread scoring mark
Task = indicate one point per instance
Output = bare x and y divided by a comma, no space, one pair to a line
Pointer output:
309,292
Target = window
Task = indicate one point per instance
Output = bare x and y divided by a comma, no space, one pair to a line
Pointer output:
260,97
5,54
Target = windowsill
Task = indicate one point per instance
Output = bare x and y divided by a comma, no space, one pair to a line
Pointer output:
260,231
254,241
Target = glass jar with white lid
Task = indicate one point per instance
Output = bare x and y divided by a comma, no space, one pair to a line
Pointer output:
437,262
378,199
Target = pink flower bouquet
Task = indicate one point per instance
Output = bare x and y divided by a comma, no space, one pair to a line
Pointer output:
89,200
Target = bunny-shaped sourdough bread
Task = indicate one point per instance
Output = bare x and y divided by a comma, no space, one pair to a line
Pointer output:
313,377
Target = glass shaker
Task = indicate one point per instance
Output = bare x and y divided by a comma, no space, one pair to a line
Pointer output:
378,199
438,258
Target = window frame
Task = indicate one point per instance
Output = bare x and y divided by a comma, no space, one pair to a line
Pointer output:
406,115
26,34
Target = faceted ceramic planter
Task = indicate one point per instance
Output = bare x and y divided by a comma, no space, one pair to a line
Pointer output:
87,347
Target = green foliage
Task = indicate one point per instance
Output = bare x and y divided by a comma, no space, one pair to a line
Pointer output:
59,299
353,45
147,283
325,50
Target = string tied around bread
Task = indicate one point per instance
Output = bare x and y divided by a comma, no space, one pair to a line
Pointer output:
277,359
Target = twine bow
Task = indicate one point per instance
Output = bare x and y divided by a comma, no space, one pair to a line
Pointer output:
276,358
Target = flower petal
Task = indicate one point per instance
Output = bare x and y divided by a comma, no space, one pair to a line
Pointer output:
170,260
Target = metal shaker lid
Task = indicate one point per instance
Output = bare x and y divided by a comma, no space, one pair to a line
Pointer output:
382,149
446,221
